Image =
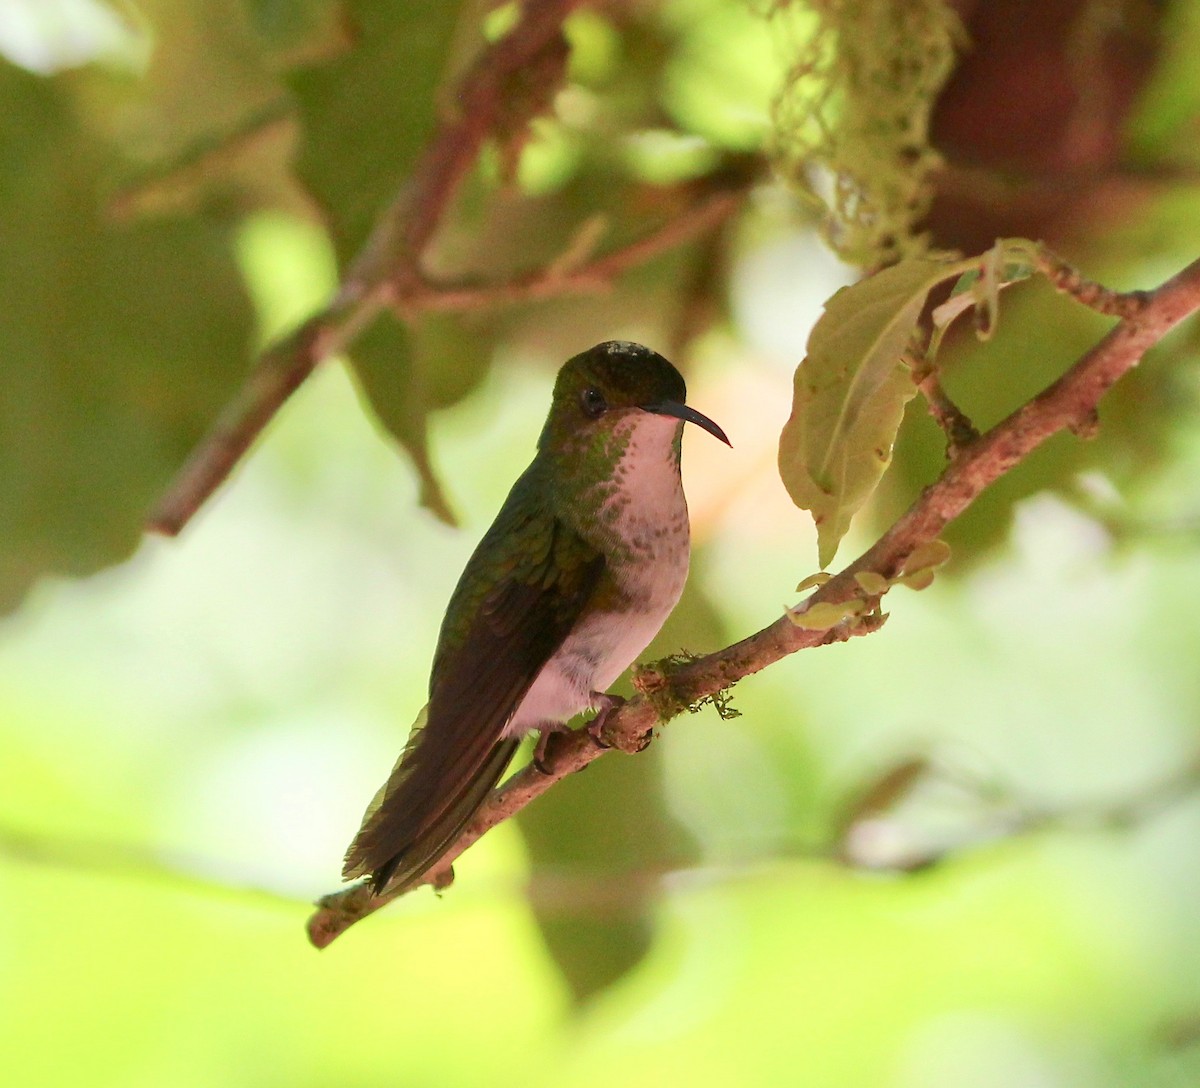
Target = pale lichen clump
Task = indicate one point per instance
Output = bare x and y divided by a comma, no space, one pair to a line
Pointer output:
852,119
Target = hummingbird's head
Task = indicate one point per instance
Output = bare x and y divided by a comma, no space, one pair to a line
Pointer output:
608,386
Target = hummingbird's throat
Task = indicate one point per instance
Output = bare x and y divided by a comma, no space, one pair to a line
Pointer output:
632,504
606,460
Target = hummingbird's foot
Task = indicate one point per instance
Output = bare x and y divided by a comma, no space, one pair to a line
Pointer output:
606,705
543,756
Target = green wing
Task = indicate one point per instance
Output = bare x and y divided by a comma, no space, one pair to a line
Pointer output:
516,601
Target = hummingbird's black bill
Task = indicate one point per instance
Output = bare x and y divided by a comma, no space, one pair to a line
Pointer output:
690,415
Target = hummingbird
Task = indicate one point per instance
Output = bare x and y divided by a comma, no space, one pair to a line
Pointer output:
584,562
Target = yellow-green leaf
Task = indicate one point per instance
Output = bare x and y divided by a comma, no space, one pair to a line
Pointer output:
825,614
849,395
926,556
872,583
387,371
814,580
919,579
1009,261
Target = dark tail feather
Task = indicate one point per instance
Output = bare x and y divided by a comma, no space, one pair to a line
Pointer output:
396,846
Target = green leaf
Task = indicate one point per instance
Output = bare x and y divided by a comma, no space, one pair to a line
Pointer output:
849,395
385,361
366,114
453,355
119,343
592,886
300,31
407,372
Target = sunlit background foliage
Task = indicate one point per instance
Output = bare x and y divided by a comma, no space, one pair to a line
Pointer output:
189,729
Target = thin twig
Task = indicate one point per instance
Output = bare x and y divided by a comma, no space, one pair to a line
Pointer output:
1070,281
479,105
598,274
279,372
1065,403
957,427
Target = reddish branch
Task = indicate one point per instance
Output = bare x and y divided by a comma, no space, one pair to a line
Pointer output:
710,207
393,250
388,271
477,108
1067,404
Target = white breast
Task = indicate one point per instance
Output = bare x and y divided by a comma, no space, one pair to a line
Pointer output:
648,513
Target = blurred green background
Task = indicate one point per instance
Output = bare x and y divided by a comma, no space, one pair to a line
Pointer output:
190,728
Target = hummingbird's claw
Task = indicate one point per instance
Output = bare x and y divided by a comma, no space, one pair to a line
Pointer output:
606,704
543,756
539,752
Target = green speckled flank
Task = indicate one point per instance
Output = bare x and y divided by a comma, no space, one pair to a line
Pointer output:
587,459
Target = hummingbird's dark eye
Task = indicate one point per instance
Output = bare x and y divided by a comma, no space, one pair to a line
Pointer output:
592,401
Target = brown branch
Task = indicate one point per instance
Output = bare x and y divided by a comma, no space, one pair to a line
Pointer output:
955,425
390,257
1070,281
1068,402
423,294
506,84
478,106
